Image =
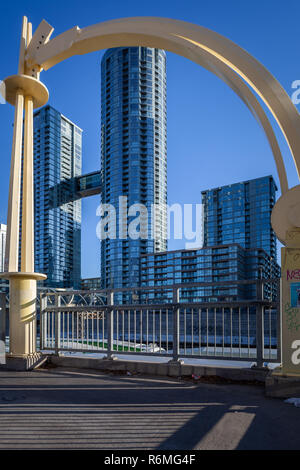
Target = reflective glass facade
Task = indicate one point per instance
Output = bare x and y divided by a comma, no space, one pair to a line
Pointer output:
89,185
57,162
210,264
90,181
241,213
91,283
134,157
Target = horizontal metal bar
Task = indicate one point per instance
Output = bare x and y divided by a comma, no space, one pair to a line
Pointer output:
78,350
86,309
163,306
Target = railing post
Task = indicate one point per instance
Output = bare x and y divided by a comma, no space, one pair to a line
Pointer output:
259,326
176,326
2,327
2,316
57,323
43,323
110,326
279,320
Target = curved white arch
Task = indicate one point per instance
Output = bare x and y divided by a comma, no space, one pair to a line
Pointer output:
191,41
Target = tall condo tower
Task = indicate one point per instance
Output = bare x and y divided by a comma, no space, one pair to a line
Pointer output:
133,155
57,162
241,213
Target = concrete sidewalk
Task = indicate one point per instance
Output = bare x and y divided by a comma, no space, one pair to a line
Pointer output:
84,409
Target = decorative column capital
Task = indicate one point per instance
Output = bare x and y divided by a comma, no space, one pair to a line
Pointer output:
29,86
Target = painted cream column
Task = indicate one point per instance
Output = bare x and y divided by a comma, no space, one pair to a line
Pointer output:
22,90
23,290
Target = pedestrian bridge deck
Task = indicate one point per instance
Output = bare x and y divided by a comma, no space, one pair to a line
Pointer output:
66,408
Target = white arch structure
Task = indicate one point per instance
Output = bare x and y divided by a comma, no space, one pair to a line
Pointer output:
241,71
201,45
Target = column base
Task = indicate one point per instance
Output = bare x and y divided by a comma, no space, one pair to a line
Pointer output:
282,385
174,368
22,314
176,362
109,358
23,363
256,367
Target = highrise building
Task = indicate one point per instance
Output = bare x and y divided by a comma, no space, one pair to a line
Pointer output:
2,245
215,264
91,283
133,154
241,213
57,163
239,244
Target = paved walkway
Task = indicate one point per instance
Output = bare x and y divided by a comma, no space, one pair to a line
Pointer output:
65,409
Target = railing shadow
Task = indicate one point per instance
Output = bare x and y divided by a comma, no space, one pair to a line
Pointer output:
62,409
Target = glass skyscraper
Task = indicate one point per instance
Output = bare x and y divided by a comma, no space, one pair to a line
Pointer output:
57,163
133,154
241,213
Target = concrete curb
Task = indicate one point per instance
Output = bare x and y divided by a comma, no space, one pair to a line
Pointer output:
160,369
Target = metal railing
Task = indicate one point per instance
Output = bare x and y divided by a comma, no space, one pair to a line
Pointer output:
247,330
4,290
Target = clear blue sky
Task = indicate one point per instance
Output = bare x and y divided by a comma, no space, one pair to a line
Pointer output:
212,138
